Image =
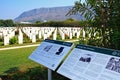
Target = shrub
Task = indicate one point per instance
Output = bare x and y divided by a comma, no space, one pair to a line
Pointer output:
95,42
13,40
26,39
82,41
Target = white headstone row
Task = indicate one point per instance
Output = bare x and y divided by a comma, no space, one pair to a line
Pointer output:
46,32
71,31
43,33
32,32
7,33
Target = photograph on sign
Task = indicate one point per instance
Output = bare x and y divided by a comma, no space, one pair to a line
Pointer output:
47,48
90,63
114,64
50,53
86,58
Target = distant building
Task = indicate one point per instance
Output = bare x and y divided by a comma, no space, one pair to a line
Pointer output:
25,22
45,21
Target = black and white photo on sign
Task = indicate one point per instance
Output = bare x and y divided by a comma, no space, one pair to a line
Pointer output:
85,58
47,48
113,64
59,51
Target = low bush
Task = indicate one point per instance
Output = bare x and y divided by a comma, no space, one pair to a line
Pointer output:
13,40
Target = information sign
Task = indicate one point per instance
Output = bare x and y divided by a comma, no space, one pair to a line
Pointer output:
91,63
50,53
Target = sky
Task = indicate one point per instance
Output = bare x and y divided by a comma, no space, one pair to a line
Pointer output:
10,9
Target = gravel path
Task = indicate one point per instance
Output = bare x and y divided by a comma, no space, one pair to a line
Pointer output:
16,47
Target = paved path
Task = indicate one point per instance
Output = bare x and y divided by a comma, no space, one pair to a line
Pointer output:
16,47
72,40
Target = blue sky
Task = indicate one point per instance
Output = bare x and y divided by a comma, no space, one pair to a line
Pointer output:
10,9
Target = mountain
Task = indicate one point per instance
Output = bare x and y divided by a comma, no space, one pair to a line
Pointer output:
47,14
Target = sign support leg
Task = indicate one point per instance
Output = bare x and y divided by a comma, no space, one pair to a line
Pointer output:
49,74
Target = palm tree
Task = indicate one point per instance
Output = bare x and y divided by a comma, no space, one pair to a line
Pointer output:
101,13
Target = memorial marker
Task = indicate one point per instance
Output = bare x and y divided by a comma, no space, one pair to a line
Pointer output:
20,37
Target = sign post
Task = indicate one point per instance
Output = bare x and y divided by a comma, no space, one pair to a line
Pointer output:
49,74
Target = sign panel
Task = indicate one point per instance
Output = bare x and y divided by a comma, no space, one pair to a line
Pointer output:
91,63
50,53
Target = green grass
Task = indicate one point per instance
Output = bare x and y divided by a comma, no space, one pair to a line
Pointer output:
1,43
15,65
16,58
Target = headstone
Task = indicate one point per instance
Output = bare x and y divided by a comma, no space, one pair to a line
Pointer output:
20,37
78,34
45,36
70,35
33,38
40,35
83,33
6,40
62,34
89,35
55,34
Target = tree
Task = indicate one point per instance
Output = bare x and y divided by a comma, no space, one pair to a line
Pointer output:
114,23
38,22
1,23
70,19
7,23
103,13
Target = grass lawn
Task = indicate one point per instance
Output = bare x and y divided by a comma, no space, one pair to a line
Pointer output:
1,43
15,65
16,58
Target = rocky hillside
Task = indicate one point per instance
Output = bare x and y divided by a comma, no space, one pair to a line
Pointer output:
47,14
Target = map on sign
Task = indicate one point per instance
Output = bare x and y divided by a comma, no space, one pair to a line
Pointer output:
91,63
50,53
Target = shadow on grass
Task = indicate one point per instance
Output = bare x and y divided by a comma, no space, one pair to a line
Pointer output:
9,72
12,70
36,73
